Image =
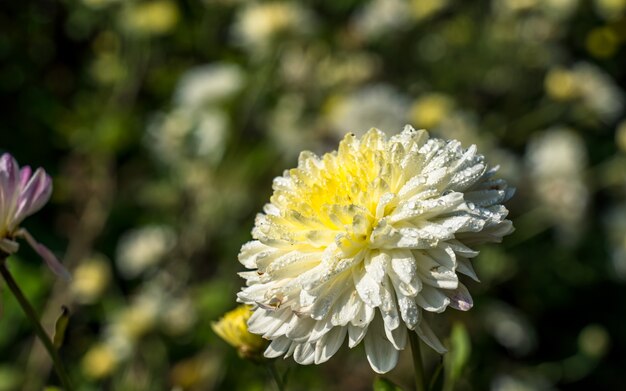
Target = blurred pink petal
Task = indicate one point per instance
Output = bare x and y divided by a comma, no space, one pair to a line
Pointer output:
49,258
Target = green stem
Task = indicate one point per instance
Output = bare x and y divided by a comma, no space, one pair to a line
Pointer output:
34,320
271,367
418,367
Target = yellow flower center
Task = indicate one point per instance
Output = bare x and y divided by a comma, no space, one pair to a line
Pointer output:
341,196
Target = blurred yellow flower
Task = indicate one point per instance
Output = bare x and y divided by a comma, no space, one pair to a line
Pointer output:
423,9
560,84
135,321
258,24
594,341
99,362
429,110
91,278
233,328
602,42
154,17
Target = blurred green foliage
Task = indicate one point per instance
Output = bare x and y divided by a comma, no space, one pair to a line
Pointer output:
164,122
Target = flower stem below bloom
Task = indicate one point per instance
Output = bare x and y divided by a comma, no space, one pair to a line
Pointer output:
280,382
418,366
33,318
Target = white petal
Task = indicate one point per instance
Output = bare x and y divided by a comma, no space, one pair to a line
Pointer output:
304,353
253,251
423,209
411,314
426,334
364,315
329,344
432,299
376,263
427,236
404,265
434,274
320,329
346,309
292,264
388,308
461,249
444,255
367,287
464,266
278,347
381,353
301,330
464,179
397,337
355,335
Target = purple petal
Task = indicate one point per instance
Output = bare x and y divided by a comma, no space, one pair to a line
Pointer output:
9,180
51,261
34,196
25,174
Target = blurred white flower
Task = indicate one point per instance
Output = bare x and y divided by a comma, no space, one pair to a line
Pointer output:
287,127
208,84
510,328
556,160
321,67
129,324
184,134
379,106
598,91
258,24
378,17
179,316
356,243
507,382
142,248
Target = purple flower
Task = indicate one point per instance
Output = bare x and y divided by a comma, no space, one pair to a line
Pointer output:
23,193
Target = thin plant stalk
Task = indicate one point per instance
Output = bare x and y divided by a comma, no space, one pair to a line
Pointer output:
418,366
34,320
280,382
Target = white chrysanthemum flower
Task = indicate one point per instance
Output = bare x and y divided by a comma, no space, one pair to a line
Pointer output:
358,242
599,91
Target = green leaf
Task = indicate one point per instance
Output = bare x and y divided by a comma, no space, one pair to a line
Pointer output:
60,327
457,357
